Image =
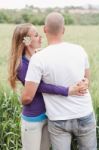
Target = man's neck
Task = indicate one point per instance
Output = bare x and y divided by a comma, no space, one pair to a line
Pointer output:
54,40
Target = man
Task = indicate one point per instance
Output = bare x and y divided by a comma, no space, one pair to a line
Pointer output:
62,63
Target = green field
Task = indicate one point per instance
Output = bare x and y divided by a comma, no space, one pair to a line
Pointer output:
87,36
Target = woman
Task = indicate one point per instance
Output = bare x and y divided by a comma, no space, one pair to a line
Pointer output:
25,42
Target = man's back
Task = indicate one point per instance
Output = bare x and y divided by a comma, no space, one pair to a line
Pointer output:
64,64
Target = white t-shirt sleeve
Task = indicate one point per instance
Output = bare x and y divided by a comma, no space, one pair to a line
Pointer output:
34,72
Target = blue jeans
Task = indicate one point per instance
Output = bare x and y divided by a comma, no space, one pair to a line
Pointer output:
84,129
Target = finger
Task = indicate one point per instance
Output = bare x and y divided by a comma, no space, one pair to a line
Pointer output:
80,94
83,87
83,92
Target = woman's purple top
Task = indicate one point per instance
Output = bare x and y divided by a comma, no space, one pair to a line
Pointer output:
37,106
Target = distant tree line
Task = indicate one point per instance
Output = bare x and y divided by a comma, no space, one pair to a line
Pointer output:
36,16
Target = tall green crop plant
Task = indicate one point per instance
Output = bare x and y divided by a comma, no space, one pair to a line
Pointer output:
9,121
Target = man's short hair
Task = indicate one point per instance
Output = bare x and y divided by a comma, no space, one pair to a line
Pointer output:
54,22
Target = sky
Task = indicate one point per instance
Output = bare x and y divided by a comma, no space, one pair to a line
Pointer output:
11,4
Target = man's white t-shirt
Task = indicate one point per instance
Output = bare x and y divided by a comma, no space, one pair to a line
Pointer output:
61,64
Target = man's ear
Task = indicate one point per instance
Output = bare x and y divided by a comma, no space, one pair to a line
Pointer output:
63,30
45,29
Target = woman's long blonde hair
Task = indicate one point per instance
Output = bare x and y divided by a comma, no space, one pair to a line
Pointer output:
17,50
